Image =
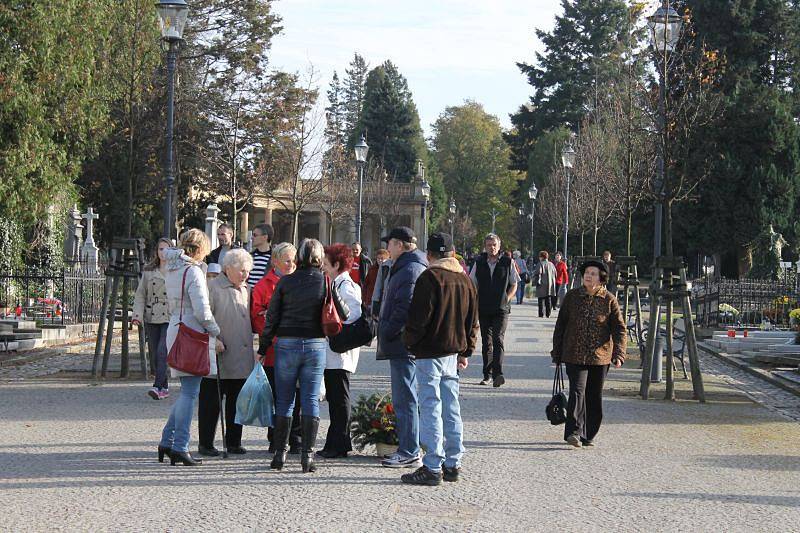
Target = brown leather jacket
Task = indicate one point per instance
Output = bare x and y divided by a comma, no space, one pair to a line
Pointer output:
590,329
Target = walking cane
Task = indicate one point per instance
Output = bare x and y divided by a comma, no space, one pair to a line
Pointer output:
221,409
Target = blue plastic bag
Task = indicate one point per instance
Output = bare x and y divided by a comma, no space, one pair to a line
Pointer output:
254,407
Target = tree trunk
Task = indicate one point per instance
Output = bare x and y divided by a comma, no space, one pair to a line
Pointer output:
668,226
295,223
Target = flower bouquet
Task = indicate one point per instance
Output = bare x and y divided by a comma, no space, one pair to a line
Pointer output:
373,422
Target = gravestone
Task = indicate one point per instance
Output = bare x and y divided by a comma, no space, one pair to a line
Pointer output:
73,235
90,252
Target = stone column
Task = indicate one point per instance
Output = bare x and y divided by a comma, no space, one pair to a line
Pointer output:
244,226
89,252
324,228
268,216
212,223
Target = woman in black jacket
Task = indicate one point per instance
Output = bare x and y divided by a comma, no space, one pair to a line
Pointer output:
295,317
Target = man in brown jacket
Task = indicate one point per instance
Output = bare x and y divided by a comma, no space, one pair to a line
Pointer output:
441,333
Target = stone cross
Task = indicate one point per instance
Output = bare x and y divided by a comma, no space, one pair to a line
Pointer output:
89,254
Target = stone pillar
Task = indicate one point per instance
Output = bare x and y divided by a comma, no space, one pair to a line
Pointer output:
72,237
212,223
324,229
244,226
89,252
268,216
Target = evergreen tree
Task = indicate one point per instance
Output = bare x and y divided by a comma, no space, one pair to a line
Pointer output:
353,89
564,75
390,123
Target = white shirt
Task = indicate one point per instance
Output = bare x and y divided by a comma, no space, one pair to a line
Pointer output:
350,292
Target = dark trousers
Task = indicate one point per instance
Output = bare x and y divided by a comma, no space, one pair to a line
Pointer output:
295,435
493,329
157,346
337,392
208,411
585,405
545,306
554,299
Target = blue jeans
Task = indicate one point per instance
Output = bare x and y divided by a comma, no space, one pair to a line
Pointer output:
176,431
302,359
404,400
441,429
520,291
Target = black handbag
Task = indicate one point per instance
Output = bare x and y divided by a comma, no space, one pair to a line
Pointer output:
556,410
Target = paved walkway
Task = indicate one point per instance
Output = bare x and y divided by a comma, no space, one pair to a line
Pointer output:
79,455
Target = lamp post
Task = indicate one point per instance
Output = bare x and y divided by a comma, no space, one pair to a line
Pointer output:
452,216
426,194
361,148
665,27
568,160
172,16
532,193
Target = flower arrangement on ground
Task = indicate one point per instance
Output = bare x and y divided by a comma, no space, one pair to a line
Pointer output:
373,421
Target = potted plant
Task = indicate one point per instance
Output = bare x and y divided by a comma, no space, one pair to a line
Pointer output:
373,421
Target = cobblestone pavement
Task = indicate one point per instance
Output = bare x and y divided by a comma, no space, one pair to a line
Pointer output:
80,455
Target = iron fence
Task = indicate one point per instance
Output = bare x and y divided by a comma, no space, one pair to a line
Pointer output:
745,302
72,294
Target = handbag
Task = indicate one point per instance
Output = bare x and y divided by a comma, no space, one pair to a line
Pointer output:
556,410
189,352
331,322
359,333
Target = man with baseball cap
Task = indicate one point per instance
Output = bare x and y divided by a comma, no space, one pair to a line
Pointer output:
441,332
407,264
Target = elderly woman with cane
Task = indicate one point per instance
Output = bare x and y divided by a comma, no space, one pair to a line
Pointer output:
228,294
187,295
589,337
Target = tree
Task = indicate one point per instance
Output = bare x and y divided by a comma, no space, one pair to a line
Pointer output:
54,88
390,122
563,76
472,159
352,102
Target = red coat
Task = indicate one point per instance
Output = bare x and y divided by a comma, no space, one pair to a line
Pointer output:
562,277
259,302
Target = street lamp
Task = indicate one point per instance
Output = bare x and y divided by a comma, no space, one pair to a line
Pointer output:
172,16
361,148
452,216
426,194
665,28
568,160
532,193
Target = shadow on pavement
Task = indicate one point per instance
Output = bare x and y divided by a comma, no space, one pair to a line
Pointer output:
781,501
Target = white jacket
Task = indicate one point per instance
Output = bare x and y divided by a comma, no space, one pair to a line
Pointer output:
196,307
351,295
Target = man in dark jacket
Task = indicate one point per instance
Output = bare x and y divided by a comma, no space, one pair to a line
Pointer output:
407,264
361,264
496,280
441,332
225,238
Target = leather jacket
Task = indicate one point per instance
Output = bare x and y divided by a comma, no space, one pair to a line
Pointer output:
295,309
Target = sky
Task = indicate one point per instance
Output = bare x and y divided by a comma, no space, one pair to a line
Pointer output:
448,50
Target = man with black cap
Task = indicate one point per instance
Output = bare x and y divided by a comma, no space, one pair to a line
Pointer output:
496,280
407,264
441,332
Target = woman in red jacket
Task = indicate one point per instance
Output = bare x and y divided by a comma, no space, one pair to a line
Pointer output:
562,277
283,263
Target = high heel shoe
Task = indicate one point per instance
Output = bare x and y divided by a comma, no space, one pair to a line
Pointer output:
184,458
162,451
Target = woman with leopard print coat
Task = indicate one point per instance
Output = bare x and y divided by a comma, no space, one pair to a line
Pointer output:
588,338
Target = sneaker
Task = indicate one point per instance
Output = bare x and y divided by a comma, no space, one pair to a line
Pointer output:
497,381
484,381
208,452
154,393
574,440
451,474
163,394
399,461
422,476
587,442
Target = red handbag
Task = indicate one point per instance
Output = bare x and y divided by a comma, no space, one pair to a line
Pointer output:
189,352
331,322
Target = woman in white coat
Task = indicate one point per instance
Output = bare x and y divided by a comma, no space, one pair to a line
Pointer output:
193,293
339,366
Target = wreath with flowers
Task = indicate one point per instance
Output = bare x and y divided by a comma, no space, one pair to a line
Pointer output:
373,421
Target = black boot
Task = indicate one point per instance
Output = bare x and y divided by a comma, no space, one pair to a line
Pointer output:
310,428
185,458
282,425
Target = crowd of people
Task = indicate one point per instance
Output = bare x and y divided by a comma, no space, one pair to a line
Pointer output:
427,307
